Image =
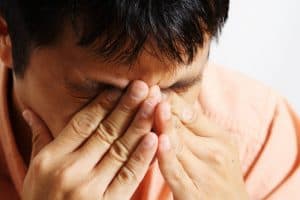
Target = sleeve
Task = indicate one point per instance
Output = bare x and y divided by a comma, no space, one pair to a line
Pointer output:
275,173
7,190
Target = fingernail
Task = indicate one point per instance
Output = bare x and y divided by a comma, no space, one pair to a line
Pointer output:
165,144
187,114
149,141
151,102
156,93
138,90
27,117
166,111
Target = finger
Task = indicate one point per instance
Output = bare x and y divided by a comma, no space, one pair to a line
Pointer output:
168,150
177,132
114,125
210,150
192,118
194,143
132,173
164,122
210,155
187,159
118,121
172,170
142,123
84,123
41,135
125,145
202,147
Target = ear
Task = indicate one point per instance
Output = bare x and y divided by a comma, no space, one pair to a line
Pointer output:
5,45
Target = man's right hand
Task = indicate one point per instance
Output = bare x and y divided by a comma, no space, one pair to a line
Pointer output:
103,153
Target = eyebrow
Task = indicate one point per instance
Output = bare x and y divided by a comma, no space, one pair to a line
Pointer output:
91,84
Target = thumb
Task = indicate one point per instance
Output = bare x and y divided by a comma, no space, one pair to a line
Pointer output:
41,135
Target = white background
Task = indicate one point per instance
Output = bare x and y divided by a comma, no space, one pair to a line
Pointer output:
262,39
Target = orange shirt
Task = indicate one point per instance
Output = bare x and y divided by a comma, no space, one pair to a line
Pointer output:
265,127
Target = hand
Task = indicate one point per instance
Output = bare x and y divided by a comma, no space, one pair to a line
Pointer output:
103,153
197,159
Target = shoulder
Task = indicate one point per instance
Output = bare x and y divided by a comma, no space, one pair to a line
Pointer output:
238,101
242,106
263,124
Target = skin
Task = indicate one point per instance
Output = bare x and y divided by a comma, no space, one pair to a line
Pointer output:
75,125
67,63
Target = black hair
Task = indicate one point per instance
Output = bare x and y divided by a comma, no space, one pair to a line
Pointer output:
116,29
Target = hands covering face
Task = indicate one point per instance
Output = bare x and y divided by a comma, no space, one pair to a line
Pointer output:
197,159
106,149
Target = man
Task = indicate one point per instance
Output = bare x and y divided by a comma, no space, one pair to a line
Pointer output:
120,103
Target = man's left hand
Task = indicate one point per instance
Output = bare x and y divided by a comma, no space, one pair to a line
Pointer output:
197,159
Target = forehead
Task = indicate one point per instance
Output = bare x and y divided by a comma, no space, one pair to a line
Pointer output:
82,63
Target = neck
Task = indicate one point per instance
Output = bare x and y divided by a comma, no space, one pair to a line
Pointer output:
20,128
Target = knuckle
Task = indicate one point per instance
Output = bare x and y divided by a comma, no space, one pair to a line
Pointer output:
105,103
101,140
36,138
177,176
125,107
40,163
194,117
180,149
128,104
37,129
203,191
110,97
106,132
63,177
217,157
126,176
138,127
138,160
79,193
99,108
119,152
177,124
198,183
83,124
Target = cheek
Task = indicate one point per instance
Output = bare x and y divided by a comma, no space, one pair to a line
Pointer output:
51,106
49,100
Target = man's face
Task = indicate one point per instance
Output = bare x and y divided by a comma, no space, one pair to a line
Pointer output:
61,79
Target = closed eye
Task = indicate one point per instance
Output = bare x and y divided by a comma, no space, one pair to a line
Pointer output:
91,88
181,88
184,86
